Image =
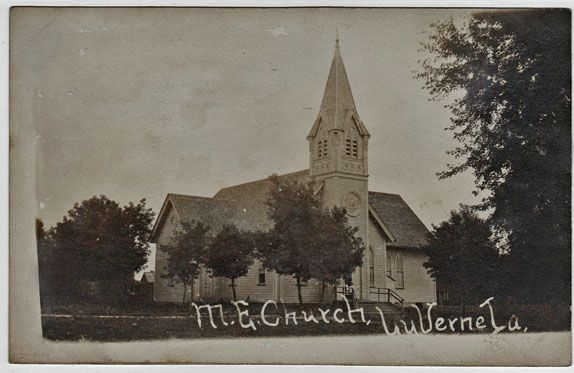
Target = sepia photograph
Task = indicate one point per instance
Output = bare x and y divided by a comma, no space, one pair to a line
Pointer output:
345,186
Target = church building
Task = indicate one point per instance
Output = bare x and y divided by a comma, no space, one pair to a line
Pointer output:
338,172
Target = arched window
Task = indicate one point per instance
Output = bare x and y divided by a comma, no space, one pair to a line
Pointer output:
352,143
400,272
371,268
322,148
389,266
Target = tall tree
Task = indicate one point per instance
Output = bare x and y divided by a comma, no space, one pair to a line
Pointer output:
462,254
186,254
335,248
230,254
307,241
98,242
44,261
40,230
510,74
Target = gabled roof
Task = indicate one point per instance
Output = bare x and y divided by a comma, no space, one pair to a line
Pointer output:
148,277
390,237
338,105
215,212
245,206
250,199
408,230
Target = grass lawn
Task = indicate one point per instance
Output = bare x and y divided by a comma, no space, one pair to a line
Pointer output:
163,321
145,328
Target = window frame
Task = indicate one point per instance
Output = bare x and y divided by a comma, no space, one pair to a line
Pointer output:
322,147
389,266
261,271
325,148
400,280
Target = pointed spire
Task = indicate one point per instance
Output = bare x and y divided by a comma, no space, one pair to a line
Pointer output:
338,105
338,98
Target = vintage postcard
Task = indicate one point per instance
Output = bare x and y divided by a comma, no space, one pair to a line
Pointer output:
355,186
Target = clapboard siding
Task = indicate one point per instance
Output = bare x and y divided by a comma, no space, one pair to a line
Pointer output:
166,290
311,293
419,286
378,244
248,286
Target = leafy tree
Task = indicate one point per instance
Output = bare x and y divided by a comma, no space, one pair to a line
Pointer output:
462,254
98,242
230,254
306,240
43,260
186,253
335,248
40,230
510,75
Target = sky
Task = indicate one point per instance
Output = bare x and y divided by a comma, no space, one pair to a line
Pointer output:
138,103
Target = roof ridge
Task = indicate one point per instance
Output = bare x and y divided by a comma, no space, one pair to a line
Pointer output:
201,197
415,214
185,195
260,180
405,224
389,194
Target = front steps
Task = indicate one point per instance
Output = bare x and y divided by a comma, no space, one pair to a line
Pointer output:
388,309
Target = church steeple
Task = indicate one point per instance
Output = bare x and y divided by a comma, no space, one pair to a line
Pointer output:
338,147
338,101
338,133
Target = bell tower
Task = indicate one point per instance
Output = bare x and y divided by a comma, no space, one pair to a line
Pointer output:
338,144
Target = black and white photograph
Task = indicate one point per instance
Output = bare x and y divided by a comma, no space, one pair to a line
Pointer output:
312,185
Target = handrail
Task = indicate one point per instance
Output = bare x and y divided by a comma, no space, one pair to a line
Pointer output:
389,293
396,296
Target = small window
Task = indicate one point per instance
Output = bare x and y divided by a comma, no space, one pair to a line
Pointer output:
261,276
352,148
322,148
348,147
400,272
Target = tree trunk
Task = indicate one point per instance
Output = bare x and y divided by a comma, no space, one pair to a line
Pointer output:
233,289
184,291
299,289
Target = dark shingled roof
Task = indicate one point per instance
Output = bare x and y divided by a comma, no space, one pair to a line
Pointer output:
244,205
404,224
215,212
250,198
